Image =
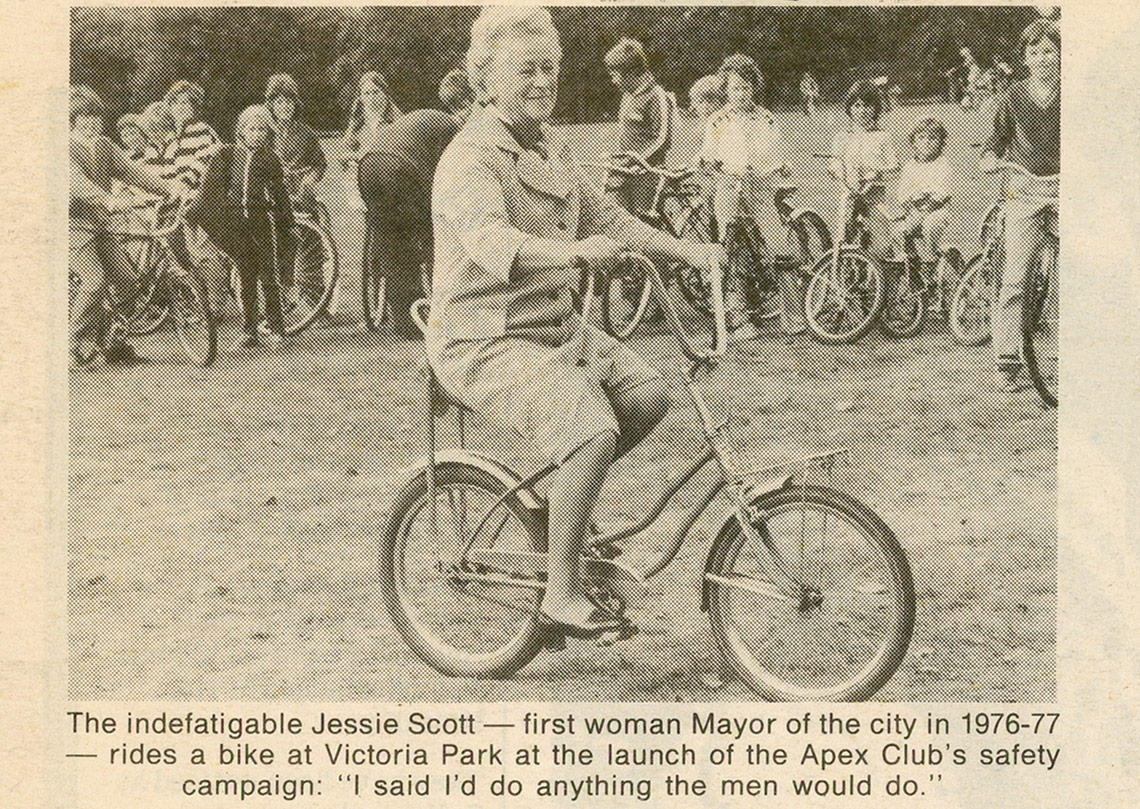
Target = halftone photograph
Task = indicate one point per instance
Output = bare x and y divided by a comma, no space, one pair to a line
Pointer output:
514,354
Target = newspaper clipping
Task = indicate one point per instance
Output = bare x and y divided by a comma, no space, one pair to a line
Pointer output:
580,405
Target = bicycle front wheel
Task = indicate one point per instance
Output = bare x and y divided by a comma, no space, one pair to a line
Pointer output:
149,309
846,632
463,628
627,297
197,330
307,286
973,302
1041,325
844,295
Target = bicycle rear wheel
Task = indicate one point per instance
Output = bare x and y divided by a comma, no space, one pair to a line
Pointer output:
848,629
463,629
627,297
812,237
973,301
844,295
196,329
307,287
1041,325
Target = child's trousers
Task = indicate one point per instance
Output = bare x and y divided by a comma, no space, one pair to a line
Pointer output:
253,250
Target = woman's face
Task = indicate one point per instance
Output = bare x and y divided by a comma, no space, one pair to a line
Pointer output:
522,79
739,92
1043,60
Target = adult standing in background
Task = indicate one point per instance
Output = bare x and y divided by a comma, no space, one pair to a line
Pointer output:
372,110
395,177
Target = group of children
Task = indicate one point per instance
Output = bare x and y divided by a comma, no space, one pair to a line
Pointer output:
744,146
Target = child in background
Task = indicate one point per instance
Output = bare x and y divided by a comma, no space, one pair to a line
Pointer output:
95,256
645,123
135,142
742,141
1025,128
295,142
706,96
243,206
861,157
924,190
184,161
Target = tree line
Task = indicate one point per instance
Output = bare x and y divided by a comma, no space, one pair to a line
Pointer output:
130,56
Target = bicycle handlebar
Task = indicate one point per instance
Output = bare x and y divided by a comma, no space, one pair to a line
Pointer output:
637,166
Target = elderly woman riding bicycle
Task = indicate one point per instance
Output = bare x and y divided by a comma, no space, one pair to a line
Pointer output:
513,221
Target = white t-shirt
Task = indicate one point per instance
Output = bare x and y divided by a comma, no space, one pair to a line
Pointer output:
742,140
864,153
925,179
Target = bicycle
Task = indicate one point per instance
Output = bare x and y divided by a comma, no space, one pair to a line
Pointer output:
846,287
917,289
463,556
685,211
163,289
976,292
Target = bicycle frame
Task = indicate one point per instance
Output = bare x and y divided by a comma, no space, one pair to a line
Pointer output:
739,487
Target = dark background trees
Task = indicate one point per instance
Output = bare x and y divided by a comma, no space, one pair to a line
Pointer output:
130,56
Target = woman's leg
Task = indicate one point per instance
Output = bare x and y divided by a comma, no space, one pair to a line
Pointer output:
574,490
1024,239
638,410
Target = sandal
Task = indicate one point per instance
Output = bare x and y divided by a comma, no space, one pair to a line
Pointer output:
597,623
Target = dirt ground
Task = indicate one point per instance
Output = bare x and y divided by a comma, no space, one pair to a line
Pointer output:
223,522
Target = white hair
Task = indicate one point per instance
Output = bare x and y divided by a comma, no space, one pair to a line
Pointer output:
491,27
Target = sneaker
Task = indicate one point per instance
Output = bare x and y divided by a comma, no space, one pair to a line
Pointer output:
276,340
742,332
121,354
247,341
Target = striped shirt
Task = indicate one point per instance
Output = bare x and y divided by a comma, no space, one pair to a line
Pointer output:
187,156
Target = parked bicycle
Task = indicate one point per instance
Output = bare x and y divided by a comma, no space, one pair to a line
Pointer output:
846,289
809,594
917,289
976,291
162,290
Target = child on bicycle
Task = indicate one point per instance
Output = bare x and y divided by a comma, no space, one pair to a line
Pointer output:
295,142
924,191
742,142
95,257
645,123
244,208
1025,129
185,159
862,156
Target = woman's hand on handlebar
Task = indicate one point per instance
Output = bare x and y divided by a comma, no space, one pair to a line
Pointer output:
598,252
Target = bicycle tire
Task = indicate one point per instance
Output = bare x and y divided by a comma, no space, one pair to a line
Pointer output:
1040,330
374,286
437,644
971,308
862,279
904,310
695,225
149,311
194,324
854,598
307,291
628,294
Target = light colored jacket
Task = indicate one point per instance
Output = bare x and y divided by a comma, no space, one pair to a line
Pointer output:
490,196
